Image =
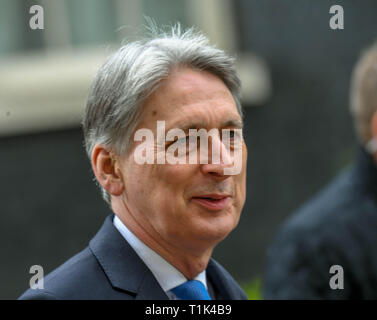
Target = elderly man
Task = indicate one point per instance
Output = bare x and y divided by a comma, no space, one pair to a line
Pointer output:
327,250
169,215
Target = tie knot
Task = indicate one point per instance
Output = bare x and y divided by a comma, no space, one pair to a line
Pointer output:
191,290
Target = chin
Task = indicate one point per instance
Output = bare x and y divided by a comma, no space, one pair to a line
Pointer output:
219,228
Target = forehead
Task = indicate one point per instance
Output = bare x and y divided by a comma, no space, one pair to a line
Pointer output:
190,94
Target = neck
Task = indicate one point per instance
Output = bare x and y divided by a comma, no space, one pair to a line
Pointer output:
190,261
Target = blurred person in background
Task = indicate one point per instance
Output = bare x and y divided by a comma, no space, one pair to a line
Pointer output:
167,218
327,249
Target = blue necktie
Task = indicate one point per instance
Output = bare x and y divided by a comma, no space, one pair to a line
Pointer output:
191,290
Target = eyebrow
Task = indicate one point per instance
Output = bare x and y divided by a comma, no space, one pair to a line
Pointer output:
185,126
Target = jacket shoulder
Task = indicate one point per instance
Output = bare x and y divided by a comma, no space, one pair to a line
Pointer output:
80,277
333,228
227,286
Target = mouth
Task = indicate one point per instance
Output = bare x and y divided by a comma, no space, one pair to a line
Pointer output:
214,202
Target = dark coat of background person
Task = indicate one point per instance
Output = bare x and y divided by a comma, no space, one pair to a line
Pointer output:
337,227
297,141
109,269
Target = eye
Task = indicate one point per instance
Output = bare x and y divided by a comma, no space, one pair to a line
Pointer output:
183,140
179,141
230,133
187,141
232,137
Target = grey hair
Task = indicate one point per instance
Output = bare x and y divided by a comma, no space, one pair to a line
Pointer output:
363,94
134,72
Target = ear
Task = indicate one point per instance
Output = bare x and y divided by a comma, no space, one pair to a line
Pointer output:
107,171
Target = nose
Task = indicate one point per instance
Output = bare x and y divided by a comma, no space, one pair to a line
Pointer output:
219,158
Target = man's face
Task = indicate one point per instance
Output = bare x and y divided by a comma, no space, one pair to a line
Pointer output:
167,200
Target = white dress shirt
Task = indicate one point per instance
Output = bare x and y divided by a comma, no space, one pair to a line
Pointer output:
166,274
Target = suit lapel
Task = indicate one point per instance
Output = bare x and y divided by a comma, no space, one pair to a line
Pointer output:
126,271
122,266
221,281
150,289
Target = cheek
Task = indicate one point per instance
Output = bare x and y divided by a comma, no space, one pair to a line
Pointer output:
138,181
159,185
176,176
174,180
136,189
240,182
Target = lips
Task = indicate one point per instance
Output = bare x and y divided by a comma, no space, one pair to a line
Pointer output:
213,202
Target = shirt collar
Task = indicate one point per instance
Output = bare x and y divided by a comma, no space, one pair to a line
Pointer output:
166,274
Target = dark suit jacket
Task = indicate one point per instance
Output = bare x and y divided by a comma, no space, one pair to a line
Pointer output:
110,269
337,227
